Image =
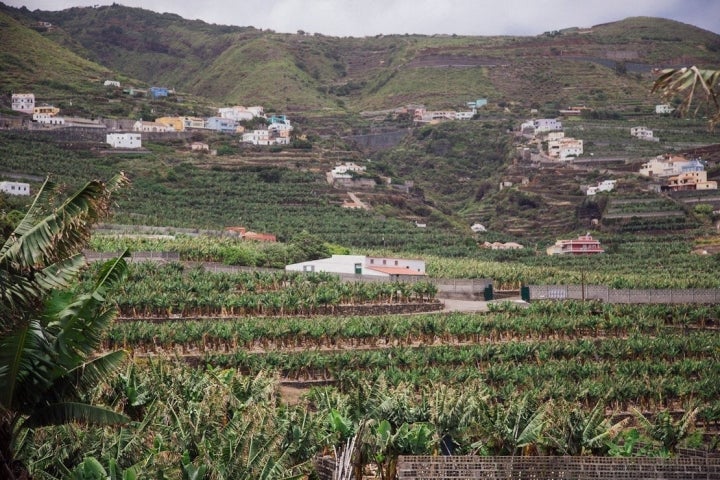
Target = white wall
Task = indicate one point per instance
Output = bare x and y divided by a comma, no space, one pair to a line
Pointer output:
15,188
124,140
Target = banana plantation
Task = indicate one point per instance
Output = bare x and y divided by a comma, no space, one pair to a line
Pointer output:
142,370
255,396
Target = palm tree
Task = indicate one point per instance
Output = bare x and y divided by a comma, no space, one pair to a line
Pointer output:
47,333
690,83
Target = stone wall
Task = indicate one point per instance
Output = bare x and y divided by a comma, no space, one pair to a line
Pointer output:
635,296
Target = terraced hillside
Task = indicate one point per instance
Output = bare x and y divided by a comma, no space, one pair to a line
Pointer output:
605,64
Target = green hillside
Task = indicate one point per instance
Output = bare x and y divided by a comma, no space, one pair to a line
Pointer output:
31,62
607,65
445,176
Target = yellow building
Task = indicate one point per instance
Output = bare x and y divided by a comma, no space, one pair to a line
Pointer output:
48,110
176,122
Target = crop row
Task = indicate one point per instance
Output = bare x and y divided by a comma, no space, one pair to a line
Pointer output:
172,290
542,321
637,378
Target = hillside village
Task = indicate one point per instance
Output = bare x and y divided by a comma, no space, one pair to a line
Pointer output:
668,172
566,146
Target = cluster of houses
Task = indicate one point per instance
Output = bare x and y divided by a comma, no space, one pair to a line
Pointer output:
421,115
277,131
559,146
678,173
47,115
154,92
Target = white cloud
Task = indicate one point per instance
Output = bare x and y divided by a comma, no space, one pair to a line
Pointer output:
372,17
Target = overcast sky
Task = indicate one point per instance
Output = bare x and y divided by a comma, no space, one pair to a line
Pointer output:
359,18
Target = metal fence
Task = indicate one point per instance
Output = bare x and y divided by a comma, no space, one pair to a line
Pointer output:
625,295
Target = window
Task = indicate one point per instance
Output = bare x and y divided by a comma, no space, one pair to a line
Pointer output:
396,263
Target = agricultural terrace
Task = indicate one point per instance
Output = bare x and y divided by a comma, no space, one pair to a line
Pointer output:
642,379
659,261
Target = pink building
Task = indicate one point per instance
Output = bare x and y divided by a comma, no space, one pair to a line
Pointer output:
583,245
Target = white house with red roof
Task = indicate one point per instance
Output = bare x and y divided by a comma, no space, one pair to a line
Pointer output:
394,268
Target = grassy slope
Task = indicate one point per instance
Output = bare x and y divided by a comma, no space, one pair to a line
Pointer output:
326,75
31,62
450,164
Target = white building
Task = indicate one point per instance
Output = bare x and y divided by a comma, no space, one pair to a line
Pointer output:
667,166
270,136
141,126
47,119
280,133
236,113
604,186
664,108
112,83
257,137
23,102
124,140
643,133
502,246
240,113
193,122
543,125
467,115
362,265
527,127
478,228
565,148
199,147
347,167
15,188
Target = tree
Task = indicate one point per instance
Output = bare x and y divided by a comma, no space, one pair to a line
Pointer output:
691,83
305,246
48,333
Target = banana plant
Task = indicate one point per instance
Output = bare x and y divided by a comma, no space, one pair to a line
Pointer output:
578,432
384,444
665,429
690,83
48,333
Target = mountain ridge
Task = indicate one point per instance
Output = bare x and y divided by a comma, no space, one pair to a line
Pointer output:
318,73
